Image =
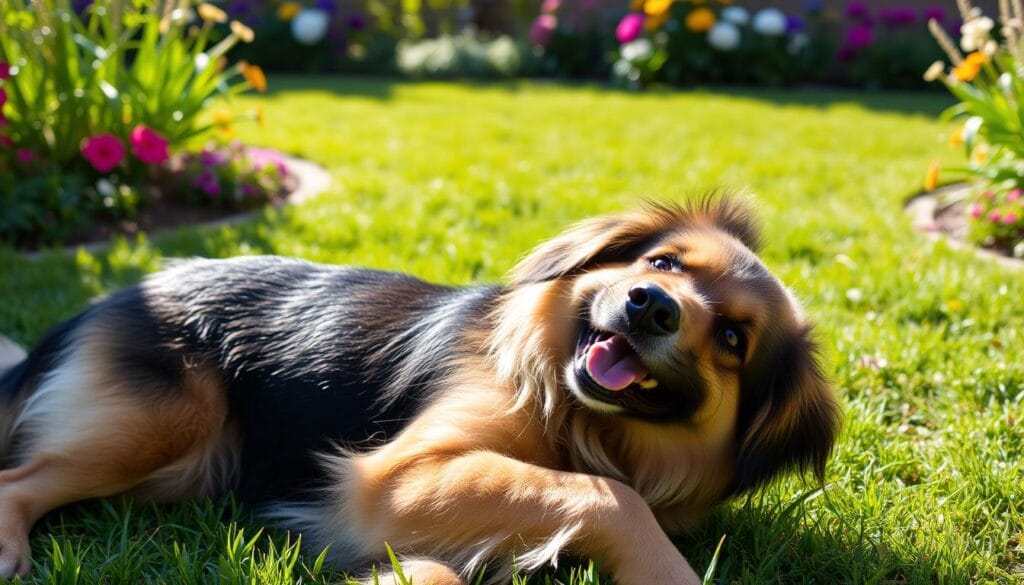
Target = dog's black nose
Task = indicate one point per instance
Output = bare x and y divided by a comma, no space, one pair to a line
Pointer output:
650,309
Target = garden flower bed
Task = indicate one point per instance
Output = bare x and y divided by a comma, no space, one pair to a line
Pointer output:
101,108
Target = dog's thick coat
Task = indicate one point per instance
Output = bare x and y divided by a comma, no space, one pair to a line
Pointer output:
634,372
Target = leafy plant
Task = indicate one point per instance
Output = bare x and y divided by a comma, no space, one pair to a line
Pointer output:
989,84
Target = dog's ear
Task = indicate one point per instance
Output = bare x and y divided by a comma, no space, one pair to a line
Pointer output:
589,243
788,416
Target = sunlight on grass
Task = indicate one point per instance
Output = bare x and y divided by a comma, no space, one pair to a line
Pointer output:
454,183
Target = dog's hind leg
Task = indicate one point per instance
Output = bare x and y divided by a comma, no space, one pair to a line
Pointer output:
100,425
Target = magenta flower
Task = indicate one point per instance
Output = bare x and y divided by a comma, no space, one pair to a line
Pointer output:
630,27
1013,195
977,210
857,9
995,216
859,36
5,70
1009,218
148,146
543,29
3,97
103,151
26,156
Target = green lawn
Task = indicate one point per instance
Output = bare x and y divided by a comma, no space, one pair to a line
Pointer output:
455,182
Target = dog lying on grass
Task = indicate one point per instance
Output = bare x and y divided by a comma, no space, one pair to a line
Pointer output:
632,373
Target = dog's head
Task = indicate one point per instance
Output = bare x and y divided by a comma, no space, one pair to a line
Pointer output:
672,319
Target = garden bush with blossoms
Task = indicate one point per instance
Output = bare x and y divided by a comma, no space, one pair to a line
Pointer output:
720,41
98,106
986,75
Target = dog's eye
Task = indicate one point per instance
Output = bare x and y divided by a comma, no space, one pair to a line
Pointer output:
666,263
731,338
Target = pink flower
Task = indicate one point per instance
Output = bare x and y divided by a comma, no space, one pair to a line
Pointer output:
995,216
148,146
550,6
1013,195
1009,219
987,194
543,29
103,151
26,156
977,210
629,27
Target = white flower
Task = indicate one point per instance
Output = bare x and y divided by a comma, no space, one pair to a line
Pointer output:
975,33
736,15
638,50
971,127
105,188
724,36
621,68
770,22
309,26
1005,83
797,43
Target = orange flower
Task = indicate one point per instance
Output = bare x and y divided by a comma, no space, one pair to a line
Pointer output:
971,66
288,10
700,20
931,178
254,76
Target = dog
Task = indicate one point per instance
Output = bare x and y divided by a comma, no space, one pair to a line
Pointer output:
630,375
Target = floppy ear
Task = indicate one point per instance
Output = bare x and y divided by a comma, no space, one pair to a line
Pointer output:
788,416
622,238
589,243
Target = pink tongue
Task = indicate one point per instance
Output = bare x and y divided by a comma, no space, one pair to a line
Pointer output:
613,364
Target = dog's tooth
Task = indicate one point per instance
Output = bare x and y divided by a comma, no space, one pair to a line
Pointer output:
649,383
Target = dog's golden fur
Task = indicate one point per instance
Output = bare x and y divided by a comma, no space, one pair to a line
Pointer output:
511,457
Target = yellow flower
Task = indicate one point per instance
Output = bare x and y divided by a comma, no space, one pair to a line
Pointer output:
931,178
259,115
288,10
954,305
227,132
221,117
254,76
956,137
980,154
978,58
211,13
243,32
657,7
700,20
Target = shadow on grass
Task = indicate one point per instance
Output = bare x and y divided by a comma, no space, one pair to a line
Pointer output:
925,103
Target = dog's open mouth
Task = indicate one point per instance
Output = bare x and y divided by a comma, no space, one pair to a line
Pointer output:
609,361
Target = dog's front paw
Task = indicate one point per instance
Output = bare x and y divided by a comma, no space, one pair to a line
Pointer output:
15,553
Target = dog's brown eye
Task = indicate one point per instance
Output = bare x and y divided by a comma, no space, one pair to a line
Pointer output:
666,263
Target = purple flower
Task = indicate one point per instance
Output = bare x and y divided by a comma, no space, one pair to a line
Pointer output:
898,16
250,190
356,22
327,6
543,29
794,23
211,158
937,13
207,182
859,36
857,9
240,7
